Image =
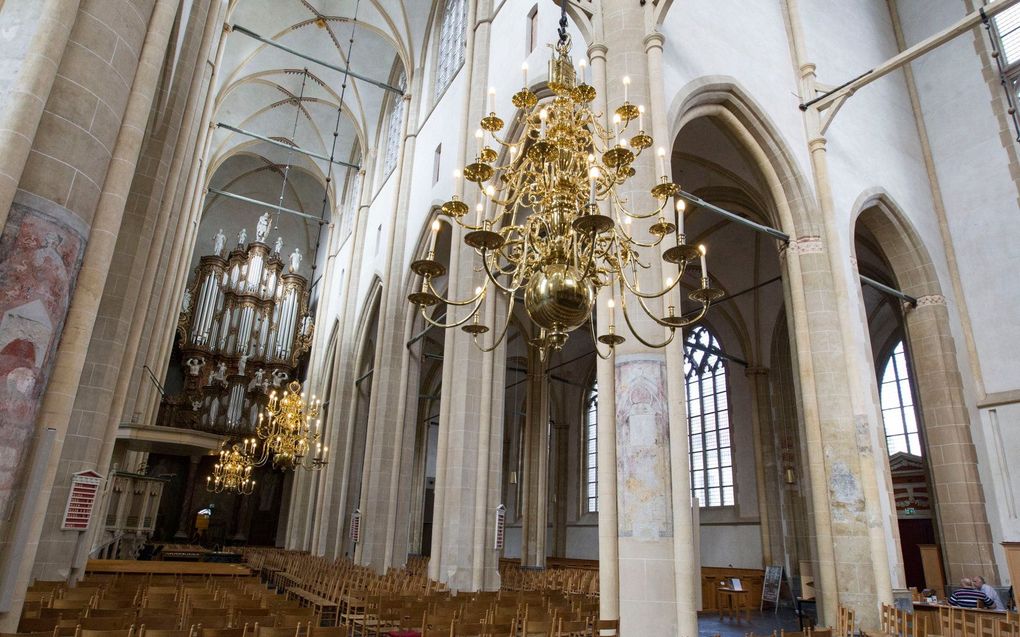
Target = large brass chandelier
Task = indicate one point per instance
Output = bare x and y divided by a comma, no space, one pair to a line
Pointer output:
233,471
290,431
551,222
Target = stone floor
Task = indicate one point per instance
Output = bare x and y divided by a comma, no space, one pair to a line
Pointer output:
709,624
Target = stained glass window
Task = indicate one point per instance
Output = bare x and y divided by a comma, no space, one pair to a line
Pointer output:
708,420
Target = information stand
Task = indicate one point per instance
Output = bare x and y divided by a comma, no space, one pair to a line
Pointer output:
771,585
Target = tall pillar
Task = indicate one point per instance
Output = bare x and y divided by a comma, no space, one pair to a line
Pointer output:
184,521
605,375
535,481
389,447
761,413
62,220
686,532
57,549
39,32
652,476
864,533
463,501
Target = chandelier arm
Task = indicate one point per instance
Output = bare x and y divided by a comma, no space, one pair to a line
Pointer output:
502,334
595,342
454,324
633,330
640,215
671,326
645,295
491,277
434,291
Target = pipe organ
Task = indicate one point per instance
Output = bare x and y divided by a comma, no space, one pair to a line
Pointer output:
243,327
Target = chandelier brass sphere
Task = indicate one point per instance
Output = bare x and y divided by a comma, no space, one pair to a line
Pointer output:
550,220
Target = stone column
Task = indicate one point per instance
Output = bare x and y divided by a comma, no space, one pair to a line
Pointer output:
965,534
184,521
178,248
389,444
340,424
605,373
459,462
40,31
59,204
686,532
60,398
861,513
535,481
761,414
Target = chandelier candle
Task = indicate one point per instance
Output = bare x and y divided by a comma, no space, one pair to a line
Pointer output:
551,223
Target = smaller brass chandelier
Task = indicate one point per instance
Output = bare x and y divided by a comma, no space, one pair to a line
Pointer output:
233,472
290,431
552,224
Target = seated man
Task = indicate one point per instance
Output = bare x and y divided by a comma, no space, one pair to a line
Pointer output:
988,590
968,597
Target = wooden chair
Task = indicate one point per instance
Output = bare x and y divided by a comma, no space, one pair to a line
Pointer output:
219,622
160,622
122,622
313,630
203,631
272,631
145,631
606,627
88,632
540,627
37,625
466,629
571,628
35,634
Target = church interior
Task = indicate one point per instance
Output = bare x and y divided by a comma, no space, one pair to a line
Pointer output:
338,318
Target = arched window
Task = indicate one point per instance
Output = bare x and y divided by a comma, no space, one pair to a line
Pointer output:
393,128
898,413
591,448
451,43
708,420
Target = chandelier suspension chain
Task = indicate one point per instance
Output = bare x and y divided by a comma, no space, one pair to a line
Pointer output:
290,153
336,135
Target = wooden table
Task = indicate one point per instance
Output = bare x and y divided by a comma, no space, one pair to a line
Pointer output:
732,601
166,568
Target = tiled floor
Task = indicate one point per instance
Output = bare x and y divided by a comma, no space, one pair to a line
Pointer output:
709,624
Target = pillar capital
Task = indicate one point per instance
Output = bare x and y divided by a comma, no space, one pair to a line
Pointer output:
654,40
816,143
597,50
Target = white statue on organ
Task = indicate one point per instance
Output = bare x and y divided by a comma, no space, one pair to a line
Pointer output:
260,376
242,237
186,301
278,246
241,364
295,260
262,229
219,241
220,375
194,365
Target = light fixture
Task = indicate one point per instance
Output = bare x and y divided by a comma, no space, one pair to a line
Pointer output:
290,431
551,223
233,471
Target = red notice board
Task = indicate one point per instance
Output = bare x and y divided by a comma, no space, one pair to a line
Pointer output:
81,500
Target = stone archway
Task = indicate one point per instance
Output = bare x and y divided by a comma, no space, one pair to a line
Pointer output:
959,499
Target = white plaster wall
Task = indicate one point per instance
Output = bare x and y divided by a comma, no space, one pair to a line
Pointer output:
742,41
583,542
973,171
738,546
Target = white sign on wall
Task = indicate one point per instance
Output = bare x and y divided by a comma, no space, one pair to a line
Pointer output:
356,526
500,527
81,500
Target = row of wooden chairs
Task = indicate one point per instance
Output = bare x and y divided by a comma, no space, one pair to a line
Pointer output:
198,630
963,622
